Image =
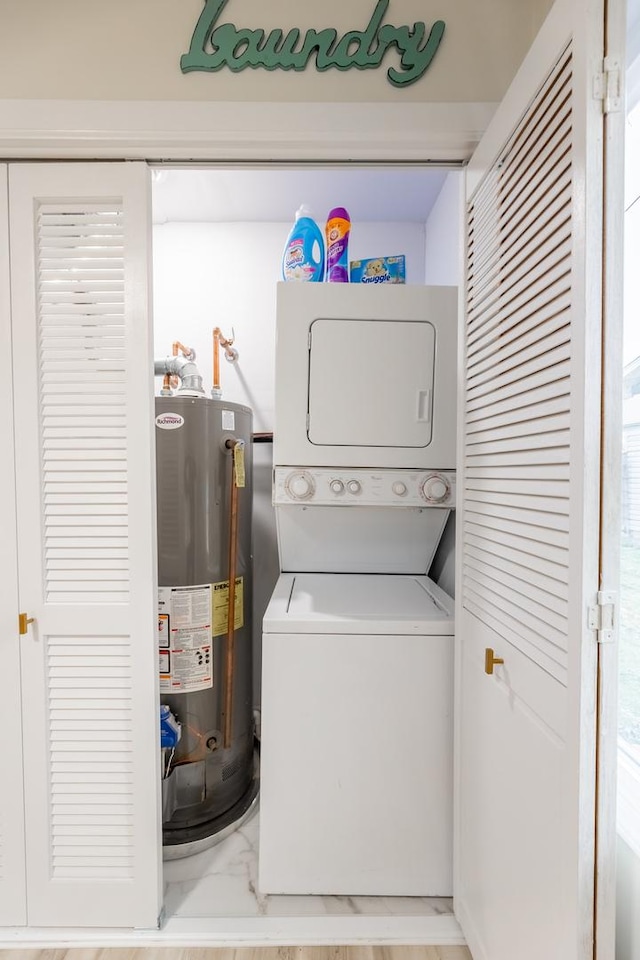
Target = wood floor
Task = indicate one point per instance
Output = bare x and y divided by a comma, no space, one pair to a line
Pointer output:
247,953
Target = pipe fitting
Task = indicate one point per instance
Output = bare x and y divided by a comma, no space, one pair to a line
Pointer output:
185,370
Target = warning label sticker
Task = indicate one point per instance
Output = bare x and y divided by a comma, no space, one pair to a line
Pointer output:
221,606
165,664
184,638
238,465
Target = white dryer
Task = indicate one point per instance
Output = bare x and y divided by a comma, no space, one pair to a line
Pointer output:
366,376
357,690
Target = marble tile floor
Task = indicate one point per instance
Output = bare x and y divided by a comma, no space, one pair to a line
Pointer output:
222,882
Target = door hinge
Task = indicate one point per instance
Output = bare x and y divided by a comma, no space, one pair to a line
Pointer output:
607,86
602,616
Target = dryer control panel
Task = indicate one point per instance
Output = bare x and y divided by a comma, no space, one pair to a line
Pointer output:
351,487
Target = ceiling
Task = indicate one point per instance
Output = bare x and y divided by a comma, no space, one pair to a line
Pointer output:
374,193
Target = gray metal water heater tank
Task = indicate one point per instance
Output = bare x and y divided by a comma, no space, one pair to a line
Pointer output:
208,783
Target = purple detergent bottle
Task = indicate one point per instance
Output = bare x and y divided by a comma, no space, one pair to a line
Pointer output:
337,233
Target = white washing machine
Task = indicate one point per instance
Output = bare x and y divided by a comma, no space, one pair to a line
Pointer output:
356,787
357,689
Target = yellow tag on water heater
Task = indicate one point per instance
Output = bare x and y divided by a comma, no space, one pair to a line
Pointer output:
238,465
220,606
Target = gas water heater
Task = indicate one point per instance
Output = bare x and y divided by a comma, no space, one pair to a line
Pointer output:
203,465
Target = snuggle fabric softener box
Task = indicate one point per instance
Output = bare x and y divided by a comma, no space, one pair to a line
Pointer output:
378,270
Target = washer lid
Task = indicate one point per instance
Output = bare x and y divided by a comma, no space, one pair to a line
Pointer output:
358,603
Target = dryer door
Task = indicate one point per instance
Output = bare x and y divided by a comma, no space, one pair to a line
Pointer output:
351,401
365,377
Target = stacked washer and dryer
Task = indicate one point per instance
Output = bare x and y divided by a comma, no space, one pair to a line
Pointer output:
357,692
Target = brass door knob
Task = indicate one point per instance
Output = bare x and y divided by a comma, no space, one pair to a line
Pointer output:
23,623
490,660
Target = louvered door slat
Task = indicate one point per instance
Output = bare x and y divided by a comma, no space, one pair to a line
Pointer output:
527,604
541,237
552,590
521,330
545,260
536,196
517,399
533,486
549,397
500,305
554,522
517,428
533,179
543,440
550,101
543,368
538,343
535,208
85,468
546,205
550,382
503,499
494,543
495,322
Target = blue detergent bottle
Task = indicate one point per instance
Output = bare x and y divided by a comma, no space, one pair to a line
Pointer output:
303,257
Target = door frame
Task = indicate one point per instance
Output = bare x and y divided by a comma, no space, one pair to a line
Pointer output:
13,868
247,133
214,132
610,485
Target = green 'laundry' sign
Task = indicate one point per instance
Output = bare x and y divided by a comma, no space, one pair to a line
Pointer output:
216,45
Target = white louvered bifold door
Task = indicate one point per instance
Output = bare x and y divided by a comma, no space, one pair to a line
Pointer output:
86,533
12,873
528,522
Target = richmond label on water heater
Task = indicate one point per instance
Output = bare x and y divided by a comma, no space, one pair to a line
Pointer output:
169,421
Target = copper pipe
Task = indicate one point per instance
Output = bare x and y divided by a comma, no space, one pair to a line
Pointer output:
227,342
230,659
178,347
216,358
166,381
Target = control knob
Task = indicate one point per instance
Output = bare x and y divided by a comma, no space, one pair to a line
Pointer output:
300,486
399,488
354,486
436,488
337,486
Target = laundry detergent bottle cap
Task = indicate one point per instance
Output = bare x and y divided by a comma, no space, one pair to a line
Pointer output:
337,230
303,257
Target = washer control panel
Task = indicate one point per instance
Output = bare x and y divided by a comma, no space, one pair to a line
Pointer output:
403,488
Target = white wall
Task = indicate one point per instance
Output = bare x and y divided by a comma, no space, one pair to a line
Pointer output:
124,50
442,240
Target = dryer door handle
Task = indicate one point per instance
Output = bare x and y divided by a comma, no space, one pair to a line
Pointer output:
424,406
